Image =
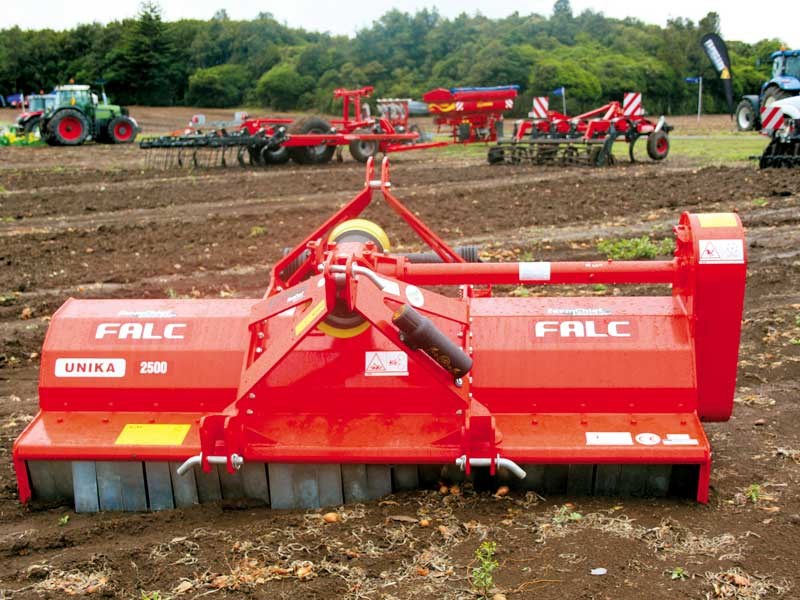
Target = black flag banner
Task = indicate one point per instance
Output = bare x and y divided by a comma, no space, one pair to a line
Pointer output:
717,52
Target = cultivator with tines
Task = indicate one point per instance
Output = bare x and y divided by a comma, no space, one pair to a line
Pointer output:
265,141
351,378
551,137
781,122
215,148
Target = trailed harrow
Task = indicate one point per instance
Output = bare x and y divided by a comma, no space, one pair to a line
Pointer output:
781,122
215,148
351,379
551,137
267,141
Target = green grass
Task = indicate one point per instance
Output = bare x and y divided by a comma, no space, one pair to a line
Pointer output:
718,149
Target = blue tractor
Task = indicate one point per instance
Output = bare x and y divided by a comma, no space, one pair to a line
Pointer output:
785,83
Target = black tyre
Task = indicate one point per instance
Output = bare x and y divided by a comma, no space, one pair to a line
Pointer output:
362,150
658,145
275,156
415,129
256,158
308,155
32,126
68,127
774,93
745,116
122,130
496,155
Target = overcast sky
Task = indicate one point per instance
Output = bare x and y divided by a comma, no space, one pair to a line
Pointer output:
740,20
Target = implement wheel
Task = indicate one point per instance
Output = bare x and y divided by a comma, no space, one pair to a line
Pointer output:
309,155
121,130
658,145
69,127
362,150
277,156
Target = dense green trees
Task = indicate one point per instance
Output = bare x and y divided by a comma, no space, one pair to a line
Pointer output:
223,63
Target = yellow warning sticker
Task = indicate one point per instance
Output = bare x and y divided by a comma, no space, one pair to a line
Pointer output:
152,434
306,321
717,220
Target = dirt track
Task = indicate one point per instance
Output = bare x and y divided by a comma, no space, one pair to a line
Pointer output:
90,222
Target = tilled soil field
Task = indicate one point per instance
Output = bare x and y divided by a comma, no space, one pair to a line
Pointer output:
91,222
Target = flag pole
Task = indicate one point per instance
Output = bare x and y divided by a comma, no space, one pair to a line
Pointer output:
699,98
564,98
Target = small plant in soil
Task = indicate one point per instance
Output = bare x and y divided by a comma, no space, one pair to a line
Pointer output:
481,578
753,492
63,520
566,514
635,248
678,573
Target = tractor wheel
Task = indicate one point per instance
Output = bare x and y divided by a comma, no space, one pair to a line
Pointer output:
69,127
774,93
362,150
745,116
278,156
121,130
658,145
32,126
307,155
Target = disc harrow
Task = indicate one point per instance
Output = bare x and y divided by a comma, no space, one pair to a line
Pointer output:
352,378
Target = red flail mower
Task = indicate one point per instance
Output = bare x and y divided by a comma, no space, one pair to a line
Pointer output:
351,378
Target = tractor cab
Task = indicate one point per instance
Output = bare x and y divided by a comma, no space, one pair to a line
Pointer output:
785,81
786,63
27,123
41,102
74,95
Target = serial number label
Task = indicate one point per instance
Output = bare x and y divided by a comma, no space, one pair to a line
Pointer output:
153,367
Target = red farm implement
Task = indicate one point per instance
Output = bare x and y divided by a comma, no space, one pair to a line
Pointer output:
351,378
471,114
551,137
264,141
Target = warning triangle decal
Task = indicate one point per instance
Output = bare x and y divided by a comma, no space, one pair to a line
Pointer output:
709,251
375,363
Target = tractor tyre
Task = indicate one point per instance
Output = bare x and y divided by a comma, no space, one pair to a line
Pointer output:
69,127
658,145
309,155
122,130
774,93
362,150
745,116
32,126
278,156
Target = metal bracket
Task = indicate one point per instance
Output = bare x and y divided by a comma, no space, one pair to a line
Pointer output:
497,462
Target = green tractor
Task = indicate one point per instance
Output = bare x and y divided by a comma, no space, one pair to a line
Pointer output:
77,116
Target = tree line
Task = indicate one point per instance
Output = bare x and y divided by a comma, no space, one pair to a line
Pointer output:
261,62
